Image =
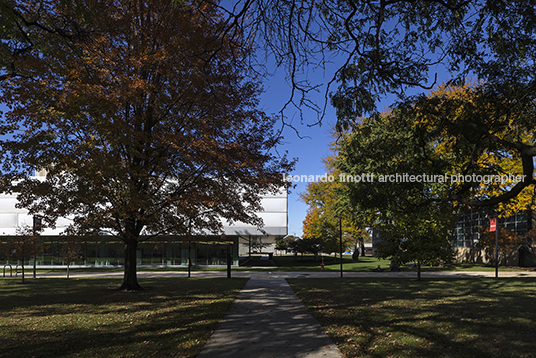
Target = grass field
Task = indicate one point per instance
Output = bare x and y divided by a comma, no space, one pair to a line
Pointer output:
439,318
91,318
308,263
366,264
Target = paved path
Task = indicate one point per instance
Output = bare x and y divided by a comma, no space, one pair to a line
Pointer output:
267,320
311,274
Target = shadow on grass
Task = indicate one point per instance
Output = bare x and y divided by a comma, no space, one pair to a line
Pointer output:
405,318
89,318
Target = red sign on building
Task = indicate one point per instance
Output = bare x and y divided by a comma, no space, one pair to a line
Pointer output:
493,224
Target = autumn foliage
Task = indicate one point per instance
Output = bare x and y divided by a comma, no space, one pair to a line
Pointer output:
143,116
22,247
508,240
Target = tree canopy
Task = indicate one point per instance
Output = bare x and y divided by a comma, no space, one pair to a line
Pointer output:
390,46
432,157
458,140
142,114
406,48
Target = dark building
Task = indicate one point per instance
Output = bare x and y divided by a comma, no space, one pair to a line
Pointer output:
466,230
466,236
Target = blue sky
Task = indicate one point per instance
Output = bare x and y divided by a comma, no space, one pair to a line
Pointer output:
309,144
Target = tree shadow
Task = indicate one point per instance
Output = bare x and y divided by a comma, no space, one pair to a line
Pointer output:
450,318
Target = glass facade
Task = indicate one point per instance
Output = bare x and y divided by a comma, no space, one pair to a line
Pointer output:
466,230
110,252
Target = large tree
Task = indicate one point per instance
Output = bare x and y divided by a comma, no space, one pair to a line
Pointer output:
461,133
430,158
142,115
394,170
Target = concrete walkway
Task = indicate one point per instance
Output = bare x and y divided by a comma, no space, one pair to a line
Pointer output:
276,274
267,320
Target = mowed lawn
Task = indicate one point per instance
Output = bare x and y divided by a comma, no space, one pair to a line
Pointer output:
367,264
310,263
430,318
172,317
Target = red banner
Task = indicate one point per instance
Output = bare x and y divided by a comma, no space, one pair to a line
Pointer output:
493,224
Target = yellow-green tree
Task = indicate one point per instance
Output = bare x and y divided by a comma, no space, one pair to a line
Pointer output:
325,208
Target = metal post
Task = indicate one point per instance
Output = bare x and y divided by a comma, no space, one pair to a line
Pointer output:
189,259
497,249
36,227
228,261
340,241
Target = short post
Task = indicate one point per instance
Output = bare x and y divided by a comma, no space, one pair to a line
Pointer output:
189,259
493,227
496,252
10,270
340,239
36,227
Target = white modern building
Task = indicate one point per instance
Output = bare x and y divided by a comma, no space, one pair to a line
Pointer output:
242,239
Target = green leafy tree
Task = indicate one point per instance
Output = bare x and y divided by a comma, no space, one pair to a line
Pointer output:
411,214
283,243
423,237
312,245
142,115
437,154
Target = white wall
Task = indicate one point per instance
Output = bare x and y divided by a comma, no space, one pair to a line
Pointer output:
274,216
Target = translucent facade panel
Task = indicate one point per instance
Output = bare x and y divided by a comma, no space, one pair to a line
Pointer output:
9,220
274,204
274,216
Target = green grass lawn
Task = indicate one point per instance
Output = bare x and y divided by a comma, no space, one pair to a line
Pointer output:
308,263
366,264
439,318
172,317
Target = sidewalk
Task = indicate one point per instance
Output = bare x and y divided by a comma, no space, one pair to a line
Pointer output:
289,274
268,321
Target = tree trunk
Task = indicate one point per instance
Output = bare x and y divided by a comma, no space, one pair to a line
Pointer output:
418,270
130,279
355,255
